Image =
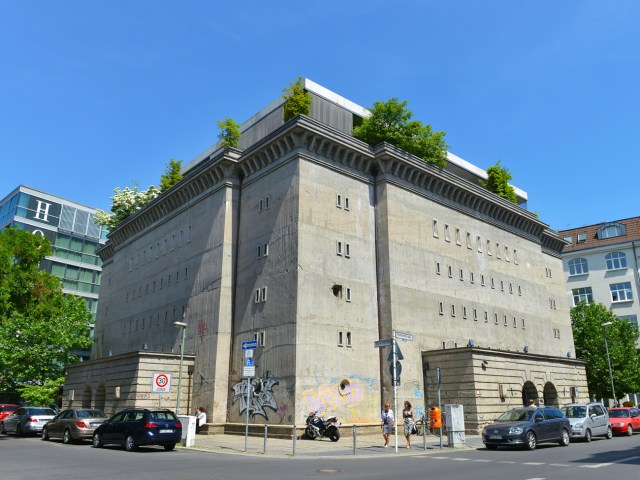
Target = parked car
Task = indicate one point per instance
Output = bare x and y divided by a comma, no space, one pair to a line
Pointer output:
625,419
139,426
7,409
588,420
73,424
26,420
526,427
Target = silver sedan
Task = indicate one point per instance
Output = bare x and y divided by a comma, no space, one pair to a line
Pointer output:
26,420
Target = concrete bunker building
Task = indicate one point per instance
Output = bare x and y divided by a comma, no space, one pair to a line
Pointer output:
316,245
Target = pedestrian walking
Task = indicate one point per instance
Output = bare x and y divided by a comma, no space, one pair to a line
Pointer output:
409,422
201,418
387,423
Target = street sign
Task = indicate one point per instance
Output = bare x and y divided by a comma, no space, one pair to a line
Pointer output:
161,383
407,337
248,371
383,343
250,345
395,381
248,362
248,354
399,355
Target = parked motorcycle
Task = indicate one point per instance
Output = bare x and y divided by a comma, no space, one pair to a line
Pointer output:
321,427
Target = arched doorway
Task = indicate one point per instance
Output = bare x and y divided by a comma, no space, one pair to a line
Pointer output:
529,392
86,397
101,398
550,395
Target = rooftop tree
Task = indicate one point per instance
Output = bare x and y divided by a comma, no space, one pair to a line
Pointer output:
498,182
229,135
297,101
391,122
171,175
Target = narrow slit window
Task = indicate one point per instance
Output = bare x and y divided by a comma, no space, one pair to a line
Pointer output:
347,250
497,250
464,312
489,247
450,269
461,275
340,339
348,296
458,237
440,308
479,243
348,339
437,268
261,339
263,294
469,245
265,250
446,233
435,229
339,248
475,314
453,310
339,201
346,203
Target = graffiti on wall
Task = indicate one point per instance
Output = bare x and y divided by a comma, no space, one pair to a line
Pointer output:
346,393
257,402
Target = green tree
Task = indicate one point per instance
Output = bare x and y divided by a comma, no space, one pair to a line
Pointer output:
498,182
588,336
391,122
229,135
297,101
124,203
40,327
171,175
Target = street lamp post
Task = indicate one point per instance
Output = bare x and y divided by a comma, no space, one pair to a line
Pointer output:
606,347
183,326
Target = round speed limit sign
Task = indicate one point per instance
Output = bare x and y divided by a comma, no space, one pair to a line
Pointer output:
161,383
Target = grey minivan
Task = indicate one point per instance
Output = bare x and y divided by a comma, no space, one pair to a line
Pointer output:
588,420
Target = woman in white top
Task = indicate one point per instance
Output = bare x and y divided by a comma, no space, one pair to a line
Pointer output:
387,423
201,418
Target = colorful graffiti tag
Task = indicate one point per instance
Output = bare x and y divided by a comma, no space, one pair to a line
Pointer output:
257,402
329,397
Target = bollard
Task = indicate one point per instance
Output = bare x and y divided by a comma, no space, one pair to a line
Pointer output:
424,435
294,440
354,439
265,439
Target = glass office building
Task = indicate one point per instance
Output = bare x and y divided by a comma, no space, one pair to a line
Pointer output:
73,234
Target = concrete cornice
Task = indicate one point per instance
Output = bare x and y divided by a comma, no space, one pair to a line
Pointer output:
487,353
127,356
313,139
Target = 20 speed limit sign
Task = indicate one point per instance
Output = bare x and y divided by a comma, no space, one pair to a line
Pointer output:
161,383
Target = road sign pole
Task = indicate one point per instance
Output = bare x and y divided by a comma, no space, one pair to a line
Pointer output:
395,388
246,426
439,374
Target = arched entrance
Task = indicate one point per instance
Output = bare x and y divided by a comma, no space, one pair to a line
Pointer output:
550,395
101,398
529,392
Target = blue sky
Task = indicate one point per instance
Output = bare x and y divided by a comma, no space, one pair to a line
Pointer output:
99,94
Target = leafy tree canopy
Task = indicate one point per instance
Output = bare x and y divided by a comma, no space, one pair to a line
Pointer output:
229,135
498,182
171,175
297,101
40,327
391,122
124,203
588,336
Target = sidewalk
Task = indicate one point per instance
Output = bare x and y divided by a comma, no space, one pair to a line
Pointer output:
366,445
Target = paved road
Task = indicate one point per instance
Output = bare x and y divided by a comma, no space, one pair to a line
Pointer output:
31,458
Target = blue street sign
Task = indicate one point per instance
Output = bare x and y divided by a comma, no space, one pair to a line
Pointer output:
248,362
250,345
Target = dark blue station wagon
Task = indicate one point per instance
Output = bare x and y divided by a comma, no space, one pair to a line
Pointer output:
139,426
